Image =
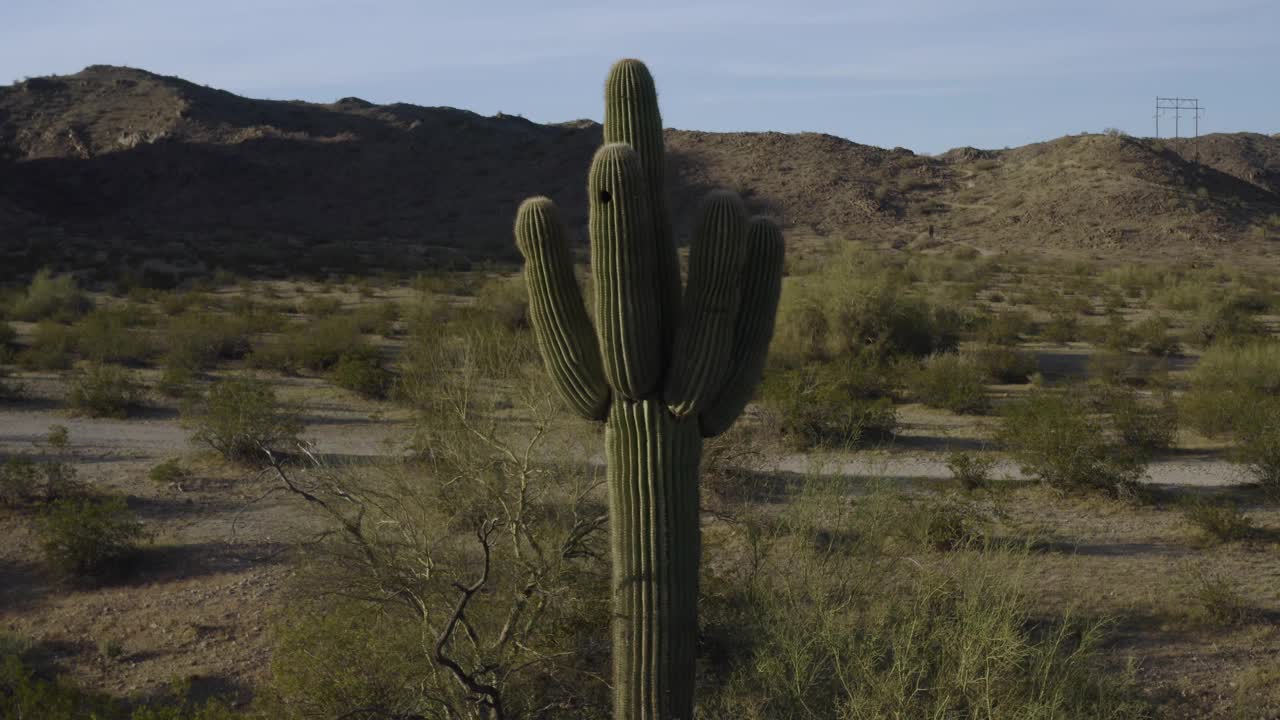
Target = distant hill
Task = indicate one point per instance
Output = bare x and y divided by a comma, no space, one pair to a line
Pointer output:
115,168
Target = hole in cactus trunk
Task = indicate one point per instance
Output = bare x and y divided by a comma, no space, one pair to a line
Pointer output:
604,197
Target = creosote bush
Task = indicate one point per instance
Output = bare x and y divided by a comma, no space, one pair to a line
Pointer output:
1055,437
90,537
953,381
838,404
1218,521
51,297
240,417
104,391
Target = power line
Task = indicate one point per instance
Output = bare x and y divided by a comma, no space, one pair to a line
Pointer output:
1177,105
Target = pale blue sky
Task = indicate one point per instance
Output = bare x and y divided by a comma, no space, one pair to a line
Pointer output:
924,74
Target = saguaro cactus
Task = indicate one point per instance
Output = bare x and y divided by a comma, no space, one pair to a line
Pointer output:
662,372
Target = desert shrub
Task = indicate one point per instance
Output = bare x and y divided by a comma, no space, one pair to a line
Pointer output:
971,470
25,480
803,332
315,346
1153,337
1223,323
32,692
1006,328
1230,387
10,389
1055,439
952,381
168,472
51,297
198,340
1148,427
506,301
1114,334
104,391
837,404
803,629
52,348
1217,521
107,335
320,306
363,374
1004,365
240,417
1062,327
8,336
1256,427
90,537
528,535
1217,597
878,317
379,319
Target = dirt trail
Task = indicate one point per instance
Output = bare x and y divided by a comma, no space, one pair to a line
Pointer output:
1187,472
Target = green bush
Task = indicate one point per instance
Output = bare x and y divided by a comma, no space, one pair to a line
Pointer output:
30,693
104,391
824,632
1056,440
1146,426
1005,365
837,404
1063,327
971,470
52,348
1231,387
315,346
239,417
362,374
1224,323
1153,337
107,335
51,297
168,472
197,341
90,537
1218,521
955,382
1006,328
1256,427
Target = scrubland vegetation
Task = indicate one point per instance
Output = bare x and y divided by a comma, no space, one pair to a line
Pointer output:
469,560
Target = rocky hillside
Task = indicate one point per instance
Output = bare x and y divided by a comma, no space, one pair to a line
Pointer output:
116,168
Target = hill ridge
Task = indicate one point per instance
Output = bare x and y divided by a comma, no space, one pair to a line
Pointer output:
132,167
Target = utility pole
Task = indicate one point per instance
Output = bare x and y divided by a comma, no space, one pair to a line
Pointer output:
1177,105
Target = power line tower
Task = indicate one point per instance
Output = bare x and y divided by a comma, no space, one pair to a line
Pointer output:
1177,105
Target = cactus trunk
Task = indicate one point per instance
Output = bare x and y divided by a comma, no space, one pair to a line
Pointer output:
663,371
653,504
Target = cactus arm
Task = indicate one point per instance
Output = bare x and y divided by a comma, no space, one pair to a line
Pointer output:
623,263
631,116
704,342
761,288
559,317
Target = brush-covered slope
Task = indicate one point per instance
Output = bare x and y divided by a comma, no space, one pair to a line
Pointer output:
116,168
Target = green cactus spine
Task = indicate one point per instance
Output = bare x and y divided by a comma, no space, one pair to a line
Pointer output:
662,371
